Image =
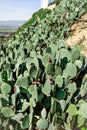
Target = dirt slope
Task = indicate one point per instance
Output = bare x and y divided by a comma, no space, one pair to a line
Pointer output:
79,30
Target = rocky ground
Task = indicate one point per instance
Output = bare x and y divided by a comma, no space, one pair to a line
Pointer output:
79,34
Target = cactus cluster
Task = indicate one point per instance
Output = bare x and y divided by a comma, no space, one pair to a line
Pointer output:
50,90
43,83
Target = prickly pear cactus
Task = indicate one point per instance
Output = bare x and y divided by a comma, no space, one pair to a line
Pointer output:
43,83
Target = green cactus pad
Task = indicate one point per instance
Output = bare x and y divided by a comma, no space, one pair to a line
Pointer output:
70,71
25,122
83,110
22,82
49,69
59,81
42,124
5,88
72,110
60,94
47,88
75,55
43,113
7,112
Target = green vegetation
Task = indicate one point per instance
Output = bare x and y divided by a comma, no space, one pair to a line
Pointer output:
41,14
55,2
43,83
83,128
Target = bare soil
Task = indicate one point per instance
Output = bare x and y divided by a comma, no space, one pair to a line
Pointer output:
79,34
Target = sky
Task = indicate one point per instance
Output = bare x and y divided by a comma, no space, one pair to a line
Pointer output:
18,9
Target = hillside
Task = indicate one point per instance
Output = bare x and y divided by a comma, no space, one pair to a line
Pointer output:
79,34
43,82
52,27
12,28
40,14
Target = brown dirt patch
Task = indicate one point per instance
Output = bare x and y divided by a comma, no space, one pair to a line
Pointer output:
79,37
